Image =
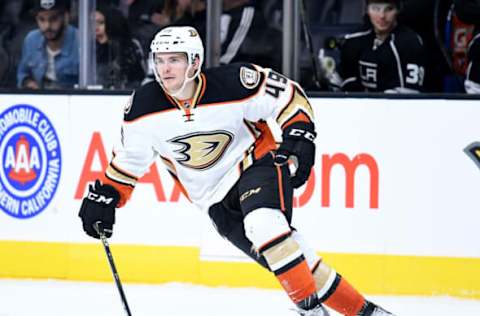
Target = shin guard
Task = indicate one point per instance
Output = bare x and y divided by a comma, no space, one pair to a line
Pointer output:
270,233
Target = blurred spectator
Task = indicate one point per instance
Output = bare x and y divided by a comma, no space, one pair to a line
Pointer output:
170,11
189,13
323,22
469,12
246,36
386,57
145,18
50,54
417,15
16,20
9,14
120,58
244,32
335,11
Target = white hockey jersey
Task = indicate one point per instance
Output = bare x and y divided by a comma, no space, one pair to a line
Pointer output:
209,140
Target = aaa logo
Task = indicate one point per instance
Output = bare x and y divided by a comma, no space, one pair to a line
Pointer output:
30,161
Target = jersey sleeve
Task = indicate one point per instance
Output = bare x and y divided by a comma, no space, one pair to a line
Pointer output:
132,156
280,98
413,59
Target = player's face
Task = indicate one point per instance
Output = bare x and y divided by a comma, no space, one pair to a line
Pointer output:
171,68
383,17
51,23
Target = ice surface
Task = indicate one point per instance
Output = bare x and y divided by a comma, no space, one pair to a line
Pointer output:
61,298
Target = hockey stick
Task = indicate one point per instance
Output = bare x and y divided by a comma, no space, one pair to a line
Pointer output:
98,227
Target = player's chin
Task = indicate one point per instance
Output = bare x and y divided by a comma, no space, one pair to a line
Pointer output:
171,85
169,82
171,88
384,27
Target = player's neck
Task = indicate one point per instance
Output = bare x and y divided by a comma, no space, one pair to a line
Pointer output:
382,35
188,91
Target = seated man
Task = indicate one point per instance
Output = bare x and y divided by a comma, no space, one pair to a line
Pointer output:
387,57
50,54
469,12
472,81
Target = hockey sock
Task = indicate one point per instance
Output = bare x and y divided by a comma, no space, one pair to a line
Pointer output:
270,234
335,292
287,262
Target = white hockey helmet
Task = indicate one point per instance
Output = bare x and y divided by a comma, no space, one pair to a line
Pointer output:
178,39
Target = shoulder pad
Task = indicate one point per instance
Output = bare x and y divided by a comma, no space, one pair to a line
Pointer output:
408,37
232,82
249,78
146,100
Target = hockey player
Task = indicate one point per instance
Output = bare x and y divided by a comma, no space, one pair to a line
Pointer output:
387,57
210,130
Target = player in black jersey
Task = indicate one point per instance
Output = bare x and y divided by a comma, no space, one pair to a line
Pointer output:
387,57
210,130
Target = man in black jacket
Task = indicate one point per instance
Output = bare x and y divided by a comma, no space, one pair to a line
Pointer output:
386,57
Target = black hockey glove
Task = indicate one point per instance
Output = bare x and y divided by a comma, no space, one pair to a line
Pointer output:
298,141
99,206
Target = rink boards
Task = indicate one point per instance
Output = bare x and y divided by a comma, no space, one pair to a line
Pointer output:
392,203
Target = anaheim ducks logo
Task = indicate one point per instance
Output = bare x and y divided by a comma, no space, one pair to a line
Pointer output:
473,151
202,150
128,105
193,33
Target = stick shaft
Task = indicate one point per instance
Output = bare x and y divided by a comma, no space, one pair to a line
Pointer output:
111,262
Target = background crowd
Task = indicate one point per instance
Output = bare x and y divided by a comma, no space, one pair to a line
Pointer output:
392,46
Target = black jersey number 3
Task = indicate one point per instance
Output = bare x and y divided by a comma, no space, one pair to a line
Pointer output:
275,83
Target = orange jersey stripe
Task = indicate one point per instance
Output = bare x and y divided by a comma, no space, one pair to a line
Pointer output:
266,142
125,191
299,117
176,108
149,115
